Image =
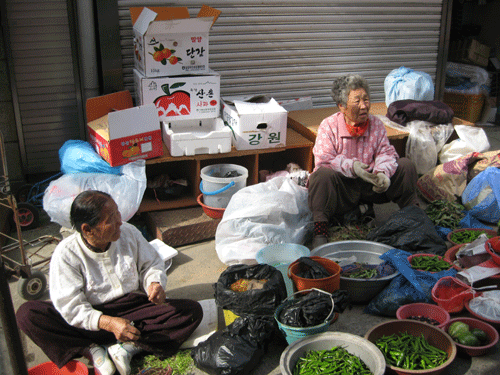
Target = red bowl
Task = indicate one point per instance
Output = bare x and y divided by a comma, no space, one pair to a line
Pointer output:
475,351
495,244
494,323
489,233
214,213
426,310
71,368
427,255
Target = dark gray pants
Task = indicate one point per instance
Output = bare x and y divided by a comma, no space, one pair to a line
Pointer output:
331,194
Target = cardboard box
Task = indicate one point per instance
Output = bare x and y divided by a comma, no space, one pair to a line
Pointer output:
469,51
194,137
168,42
124,133
180,97
257,122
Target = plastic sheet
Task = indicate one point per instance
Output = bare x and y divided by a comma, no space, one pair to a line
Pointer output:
481,197
405,83
78,156
487,305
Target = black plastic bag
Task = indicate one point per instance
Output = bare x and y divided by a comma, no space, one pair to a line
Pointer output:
237,349
310,269
409,229
255,301
306,311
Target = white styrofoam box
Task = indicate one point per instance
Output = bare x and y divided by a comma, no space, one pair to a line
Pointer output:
168,42
256,125
166,252
180,97
193,137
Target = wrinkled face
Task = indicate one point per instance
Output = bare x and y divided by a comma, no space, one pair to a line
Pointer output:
358,106
108,229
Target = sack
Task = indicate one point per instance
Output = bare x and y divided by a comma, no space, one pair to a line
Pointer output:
448,181
409,229
481,197
262,301
410,286
237,349
258,215
80,157
404,83
471,139
127,191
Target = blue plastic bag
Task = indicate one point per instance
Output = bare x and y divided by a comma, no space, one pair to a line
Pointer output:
80,157
405,83
481,196
409,287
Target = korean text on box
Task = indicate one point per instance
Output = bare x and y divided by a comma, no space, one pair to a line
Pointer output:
255,125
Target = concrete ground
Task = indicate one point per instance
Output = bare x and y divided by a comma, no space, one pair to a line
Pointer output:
197,267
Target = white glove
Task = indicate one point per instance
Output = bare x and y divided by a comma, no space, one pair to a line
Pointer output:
360,171
382,183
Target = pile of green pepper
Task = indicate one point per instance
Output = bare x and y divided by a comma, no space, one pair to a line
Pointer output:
410,352
466,236
429,263
445,214
334,361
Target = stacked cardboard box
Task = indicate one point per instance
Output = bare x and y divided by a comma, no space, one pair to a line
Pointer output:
171,52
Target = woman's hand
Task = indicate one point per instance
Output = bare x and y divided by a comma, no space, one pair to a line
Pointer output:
156,294
121,328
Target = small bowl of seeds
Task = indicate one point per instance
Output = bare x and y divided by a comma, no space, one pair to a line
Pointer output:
424,312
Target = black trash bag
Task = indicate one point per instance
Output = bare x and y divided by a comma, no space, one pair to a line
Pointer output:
262,301
310,269
237,349
409,229
308,310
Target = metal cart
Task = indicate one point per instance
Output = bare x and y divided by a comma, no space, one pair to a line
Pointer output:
32,283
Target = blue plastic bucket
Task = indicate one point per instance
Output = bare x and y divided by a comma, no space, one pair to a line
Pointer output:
217,190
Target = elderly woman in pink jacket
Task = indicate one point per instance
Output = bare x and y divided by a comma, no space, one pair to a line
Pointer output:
355,165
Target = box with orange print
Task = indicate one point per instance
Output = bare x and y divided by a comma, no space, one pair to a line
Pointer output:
182,97
168,42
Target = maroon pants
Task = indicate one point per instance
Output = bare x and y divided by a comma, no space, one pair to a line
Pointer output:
331,194
163,327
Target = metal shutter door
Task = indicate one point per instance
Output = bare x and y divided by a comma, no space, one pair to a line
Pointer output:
289,49
45,86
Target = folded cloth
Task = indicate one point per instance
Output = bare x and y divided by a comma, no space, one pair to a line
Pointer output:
404,111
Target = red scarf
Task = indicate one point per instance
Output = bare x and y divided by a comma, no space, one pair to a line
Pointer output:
357,131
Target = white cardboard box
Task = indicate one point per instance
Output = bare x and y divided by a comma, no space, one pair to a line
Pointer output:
194,137
180,97
124,135
256,125
168,42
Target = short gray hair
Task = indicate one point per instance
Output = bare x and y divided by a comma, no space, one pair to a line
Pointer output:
343,85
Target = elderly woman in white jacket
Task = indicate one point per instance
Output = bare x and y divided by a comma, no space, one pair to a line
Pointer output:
107,290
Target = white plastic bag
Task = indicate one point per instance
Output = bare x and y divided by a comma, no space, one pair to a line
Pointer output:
470,139
127,190
487,305
271,212
420,147
404,83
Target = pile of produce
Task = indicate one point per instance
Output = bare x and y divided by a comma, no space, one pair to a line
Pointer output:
466,236
461,333
445,214
335,361
429,263
410,352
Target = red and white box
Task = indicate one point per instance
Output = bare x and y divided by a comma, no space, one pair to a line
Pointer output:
168,42
122,133
180,97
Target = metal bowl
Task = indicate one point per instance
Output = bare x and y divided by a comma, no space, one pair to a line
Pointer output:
360,290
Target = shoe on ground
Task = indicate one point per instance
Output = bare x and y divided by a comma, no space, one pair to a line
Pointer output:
101,361
121,354
319,240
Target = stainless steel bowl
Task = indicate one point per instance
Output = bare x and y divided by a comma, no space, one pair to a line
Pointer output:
360,290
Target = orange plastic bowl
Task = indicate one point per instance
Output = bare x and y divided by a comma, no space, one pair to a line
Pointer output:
494,251
475,351
426,310
50,368
214,213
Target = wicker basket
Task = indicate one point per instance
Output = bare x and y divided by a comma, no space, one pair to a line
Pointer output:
467,107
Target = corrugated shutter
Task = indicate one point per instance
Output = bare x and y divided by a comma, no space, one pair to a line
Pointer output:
289,49
45,85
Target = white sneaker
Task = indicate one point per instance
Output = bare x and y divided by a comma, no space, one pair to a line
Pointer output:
100,360
121,354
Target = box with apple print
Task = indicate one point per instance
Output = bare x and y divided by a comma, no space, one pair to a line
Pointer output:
180,97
